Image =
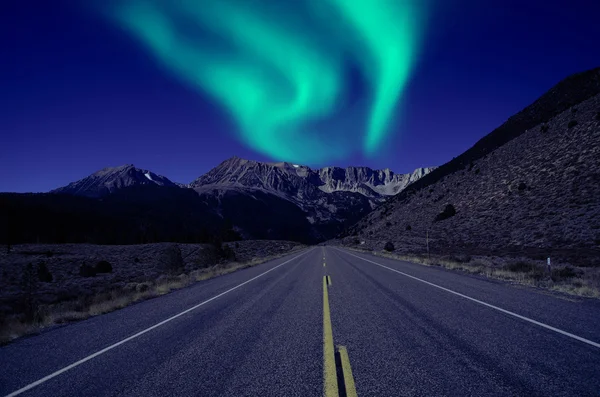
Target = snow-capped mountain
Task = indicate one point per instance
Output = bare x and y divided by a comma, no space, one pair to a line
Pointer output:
111,179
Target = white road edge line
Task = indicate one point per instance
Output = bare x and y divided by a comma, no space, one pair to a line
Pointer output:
91,356
560,331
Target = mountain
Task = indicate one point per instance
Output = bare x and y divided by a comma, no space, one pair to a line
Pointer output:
331,198
237,199
301,182
109,180
371,183
531,187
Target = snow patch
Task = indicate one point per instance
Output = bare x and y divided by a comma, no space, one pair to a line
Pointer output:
295,165
147,175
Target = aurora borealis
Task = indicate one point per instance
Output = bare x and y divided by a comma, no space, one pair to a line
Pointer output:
280,70
177,89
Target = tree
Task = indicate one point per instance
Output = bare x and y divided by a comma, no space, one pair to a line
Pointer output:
389,246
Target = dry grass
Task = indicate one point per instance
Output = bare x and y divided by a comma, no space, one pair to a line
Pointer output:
566,279
69,311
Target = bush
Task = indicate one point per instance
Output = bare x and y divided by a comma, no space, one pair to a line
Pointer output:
171,260
356,241
448,212
572,123
535,272
103,267
545,128
598,116
462,258
227,253
565,272
87,271
522,186
520,267
388,223
43,273
408,227
389,246
29,286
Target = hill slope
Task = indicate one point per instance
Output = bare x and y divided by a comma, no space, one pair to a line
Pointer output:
531,187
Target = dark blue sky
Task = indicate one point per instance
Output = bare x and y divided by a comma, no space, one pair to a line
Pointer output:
77,95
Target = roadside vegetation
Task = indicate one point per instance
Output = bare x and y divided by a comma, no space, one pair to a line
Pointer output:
572,280
30,313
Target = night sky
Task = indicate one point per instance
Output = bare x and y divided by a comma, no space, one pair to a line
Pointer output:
179,86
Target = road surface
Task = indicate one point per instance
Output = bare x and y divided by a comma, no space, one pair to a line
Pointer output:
276,330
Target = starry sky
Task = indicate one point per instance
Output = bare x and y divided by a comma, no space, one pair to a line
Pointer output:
179,86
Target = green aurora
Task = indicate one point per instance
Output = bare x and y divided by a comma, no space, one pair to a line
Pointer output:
281,68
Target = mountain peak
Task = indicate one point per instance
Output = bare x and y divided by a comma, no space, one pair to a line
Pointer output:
110,179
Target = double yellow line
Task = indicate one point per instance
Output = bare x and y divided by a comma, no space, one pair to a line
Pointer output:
330,379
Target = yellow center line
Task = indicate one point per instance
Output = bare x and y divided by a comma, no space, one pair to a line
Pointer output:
330,386
347,371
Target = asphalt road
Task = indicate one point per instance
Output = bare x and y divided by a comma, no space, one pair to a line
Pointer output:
268,331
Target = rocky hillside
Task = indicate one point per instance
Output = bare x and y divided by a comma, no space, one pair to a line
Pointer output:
331,198
300,182
531,187
111,179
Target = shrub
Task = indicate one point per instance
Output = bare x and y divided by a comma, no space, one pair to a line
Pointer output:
408,227
389,246
227,253
356,241
171,260
29,286
522,186
545,128
43,273
565,272
572,123
388,223
534,271
462,258
448,212
103,267
87,271
520,267
477,171
598,116
136,260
